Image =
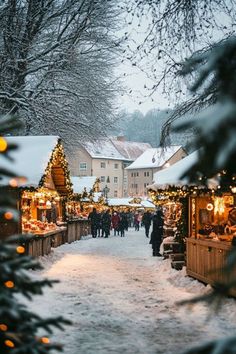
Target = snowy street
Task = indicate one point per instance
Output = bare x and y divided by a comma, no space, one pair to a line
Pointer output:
122,300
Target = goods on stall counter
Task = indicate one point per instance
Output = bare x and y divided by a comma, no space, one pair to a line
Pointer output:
36,226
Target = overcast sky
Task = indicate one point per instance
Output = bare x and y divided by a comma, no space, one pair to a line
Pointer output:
135,97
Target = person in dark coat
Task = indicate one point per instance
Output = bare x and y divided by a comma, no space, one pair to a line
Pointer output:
147,219
93,217
99,224
106,223
122,224
157,232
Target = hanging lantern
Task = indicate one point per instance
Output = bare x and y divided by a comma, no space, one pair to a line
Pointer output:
48,204
210,206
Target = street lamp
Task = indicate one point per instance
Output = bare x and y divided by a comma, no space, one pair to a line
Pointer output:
106,190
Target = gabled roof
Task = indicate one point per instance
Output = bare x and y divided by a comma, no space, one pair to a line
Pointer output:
103,149
153,158
33,157
80,183
129,149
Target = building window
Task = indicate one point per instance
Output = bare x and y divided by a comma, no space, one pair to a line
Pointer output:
132,175
116,166
145,185
116,180
137,174
108,179
146,174
103,165
115,193
83,166
102,178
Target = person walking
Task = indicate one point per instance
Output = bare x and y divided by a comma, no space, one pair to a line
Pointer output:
115,219
136,221
93,217
106,223
147,219
122,224
99,224
157,232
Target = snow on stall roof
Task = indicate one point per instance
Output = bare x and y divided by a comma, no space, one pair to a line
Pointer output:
147,204
103,149
96,196
119,201
129,149
171,176
127,202
31,158
155,157
79,183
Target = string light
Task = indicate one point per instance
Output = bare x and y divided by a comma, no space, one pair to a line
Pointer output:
3,144
58,156
9,343
20,249
3,327
45,340
9,284
8,215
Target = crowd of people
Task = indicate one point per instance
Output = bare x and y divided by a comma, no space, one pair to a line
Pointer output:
103,223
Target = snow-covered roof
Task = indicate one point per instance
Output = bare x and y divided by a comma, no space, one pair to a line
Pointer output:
128,202
147,204
103,149
129,149
171,176
153,158
97,196
80,183
119,201
31,158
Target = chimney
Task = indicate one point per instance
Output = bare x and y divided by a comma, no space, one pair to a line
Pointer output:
121,138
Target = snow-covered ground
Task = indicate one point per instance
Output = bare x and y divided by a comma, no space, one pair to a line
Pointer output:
122,300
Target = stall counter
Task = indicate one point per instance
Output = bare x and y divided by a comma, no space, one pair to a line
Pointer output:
42,242
206,259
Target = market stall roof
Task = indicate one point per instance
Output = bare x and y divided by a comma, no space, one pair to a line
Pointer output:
128,202
119,201
80,184
31,160
153,158
171,176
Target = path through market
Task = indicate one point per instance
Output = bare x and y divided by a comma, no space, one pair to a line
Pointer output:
121,299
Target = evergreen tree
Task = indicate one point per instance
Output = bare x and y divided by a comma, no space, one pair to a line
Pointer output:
19,327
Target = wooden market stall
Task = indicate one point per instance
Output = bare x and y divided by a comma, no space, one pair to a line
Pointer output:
41,188
86,196
211,221
212,227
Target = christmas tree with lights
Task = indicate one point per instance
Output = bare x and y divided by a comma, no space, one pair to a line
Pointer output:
19,327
